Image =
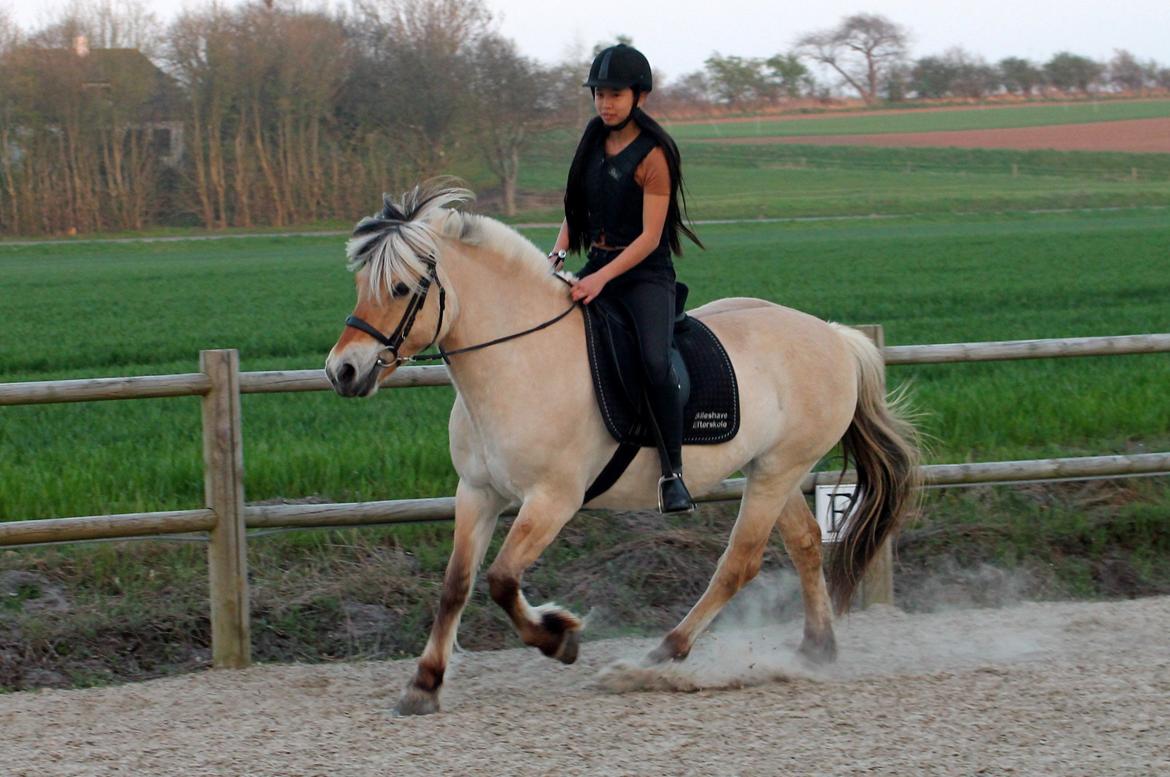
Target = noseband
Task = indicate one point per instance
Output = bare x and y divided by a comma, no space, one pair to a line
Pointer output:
406,323
394,341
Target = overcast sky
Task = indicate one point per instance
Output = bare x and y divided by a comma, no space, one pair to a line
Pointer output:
678,41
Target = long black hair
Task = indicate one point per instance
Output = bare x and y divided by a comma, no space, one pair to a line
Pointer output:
576,211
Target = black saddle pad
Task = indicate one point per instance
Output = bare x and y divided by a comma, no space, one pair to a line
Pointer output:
711,411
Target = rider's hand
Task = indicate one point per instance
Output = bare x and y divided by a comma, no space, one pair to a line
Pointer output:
587,289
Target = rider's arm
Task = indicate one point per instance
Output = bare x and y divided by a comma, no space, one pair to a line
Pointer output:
562,242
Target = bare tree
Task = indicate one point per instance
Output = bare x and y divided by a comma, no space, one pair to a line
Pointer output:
9,32
424,46
511,95
1126,73
861,49
197,47
972,76
688,91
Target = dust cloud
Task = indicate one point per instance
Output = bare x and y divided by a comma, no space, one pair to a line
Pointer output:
755,639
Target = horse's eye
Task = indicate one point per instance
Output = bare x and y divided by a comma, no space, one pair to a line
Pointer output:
400,290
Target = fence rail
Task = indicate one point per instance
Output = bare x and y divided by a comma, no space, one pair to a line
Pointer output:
226,518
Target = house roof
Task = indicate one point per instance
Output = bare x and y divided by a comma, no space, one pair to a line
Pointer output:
125,73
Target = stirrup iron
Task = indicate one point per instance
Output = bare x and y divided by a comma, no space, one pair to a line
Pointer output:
682,503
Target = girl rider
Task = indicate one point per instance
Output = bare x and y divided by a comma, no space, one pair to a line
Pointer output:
622,204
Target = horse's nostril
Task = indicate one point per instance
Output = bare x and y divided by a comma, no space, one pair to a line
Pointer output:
346,374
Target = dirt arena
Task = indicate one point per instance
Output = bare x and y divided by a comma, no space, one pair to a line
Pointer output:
1135,136
1036,689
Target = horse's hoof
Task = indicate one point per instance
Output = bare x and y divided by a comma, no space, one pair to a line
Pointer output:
415,701
819,650
569,646
560,633
666,651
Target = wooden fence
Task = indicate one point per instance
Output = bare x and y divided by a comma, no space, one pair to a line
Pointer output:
226,517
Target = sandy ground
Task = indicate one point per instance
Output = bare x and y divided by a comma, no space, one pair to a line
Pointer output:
1051,689
1137,135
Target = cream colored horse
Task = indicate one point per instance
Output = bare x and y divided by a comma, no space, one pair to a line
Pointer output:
525,428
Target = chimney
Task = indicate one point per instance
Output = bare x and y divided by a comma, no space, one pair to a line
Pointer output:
81,46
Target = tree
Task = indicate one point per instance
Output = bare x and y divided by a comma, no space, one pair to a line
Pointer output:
512,96
418,51
931,77
1067,71
861,50
973,77
898,83
736,81
601,46
689,89
1020,76
789,74
9,32
1126,73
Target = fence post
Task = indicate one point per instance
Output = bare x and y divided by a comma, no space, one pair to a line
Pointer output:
877,587
223,488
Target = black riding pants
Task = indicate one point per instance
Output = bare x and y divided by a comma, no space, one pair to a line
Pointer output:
650,302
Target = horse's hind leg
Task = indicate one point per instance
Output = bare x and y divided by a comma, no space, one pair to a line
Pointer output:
552,629
802,540
475,519
737,566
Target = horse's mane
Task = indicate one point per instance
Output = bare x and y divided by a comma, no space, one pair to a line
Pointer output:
396,243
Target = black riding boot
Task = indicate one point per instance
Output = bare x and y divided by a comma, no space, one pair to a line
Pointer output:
667,411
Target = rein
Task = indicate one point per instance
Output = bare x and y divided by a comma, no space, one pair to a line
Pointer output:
394,341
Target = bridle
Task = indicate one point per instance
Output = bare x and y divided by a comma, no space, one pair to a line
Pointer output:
394,341
418,298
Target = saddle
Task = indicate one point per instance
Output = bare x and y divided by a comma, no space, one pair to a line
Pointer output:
710,394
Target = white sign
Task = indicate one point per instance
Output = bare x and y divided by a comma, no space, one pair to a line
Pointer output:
832,502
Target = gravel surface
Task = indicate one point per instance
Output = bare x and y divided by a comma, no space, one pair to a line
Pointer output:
1054,689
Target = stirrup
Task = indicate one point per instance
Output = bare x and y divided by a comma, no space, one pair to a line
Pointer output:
683,503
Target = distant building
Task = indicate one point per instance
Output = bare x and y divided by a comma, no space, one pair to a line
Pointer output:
42,79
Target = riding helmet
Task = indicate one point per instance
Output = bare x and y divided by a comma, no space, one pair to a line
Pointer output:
620,66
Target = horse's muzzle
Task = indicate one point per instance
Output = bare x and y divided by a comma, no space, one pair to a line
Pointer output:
348,383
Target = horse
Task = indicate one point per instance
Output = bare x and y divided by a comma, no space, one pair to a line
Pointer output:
525,428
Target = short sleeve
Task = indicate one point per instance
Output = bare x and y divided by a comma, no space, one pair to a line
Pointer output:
652,174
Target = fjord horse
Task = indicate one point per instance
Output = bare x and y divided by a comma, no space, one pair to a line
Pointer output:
525,428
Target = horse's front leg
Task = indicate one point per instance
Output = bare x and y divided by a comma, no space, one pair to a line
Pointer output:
552,629
476,511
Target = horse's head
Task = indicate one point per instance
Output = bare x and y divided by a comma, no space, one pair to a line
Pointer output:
400,300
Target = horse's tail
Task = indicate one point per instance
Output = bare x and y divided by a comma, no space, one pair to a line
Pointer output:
883,446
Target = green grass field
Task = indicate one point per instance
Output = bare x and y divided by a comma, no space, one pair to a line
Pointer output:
938,245
968,245
924,121
726,181
106,310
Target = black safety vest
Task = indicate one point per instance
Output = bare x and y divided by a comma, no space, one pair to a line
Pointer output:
614,199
